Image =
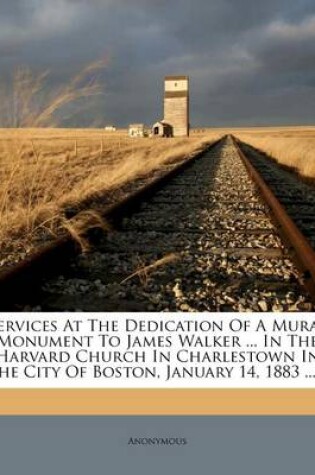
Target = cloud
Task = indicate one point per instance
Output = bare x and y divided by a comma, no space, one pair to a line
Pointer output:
283,31
241,55
40,19
286,48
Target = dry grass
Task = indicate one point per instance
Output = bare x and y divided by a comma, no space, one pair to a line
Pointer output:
290,146
43,171
29,102
144,270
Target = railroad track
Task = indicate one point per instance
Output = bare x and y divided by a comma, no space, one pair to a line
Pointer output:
201,239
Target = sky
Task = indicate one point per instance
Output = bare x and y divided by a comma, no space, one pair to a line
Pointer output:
250,62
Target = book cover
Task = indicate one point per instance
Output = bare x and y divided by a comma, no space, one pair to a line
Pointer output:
157,263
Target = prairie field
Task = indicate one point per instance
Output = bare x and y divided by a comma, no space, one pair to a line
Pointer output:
43,171
290,146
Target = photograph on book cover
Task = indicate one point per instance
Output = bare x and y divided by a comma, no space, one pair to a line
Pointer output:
157,241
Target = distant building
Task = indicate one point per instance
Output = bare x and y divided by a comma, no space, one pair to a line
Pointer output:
176,104
162,129
110,128
136,130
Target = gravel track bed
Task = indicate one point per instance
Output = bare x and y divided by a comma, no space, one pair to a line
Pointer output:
229,256
297,197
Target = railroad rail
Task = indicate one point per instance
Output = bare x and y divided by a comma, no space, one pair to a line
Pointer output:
285,205
211,235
